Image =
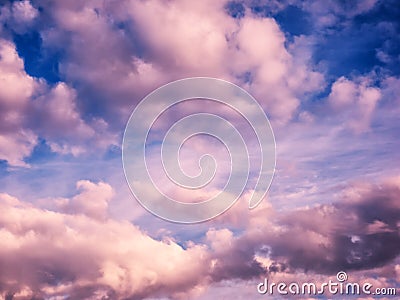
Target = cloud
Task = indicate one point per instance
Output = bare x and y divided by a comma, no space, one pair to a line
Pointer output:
23,11
358,232
50,254
56,117
73,248
142,49
16,142
331,13
30,109
357,100
14,147
113,55
92,200
76,249
20,15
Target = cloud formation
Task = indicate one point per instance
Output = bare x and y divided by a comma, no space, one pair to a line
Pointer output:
84,257
15,140
113,55
145,48
30,109
356,99
88,254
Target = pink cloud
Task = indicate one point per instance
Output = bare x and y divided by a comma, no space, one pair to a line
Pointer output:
20,15
81,252
107,62
356,100
92,201
15,141
182,41
30,108
53,254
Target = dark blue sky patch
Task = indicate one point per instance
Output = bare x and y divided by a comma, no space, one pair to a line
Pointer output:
346,53
38,61
385,19
246,77
235,9
388,11
261,11
354,48
93,103
349,46
3,168
294,21
41,153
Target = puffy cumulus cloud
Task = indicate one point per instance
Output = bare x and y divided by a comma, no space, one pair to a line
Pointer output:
360,232
53,254
30,108
14,147
115,53
20,86
234,260
266,59
92,200
24,12
356,100
76,250
136,46
100,57
16,142
56,117
250,52
60,115
19,15
183,37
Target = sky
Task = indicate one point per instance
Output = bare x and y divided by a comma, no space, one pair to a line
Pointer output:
327,75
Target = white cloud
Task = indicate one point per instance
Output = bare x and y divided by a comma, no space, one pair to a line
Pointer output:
92,200
160,41
19,15
356,100
17,89
80,255
30,108
23,11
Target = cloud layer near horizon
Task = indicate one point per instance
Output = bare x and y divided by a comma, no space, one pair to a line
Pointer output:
76,249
